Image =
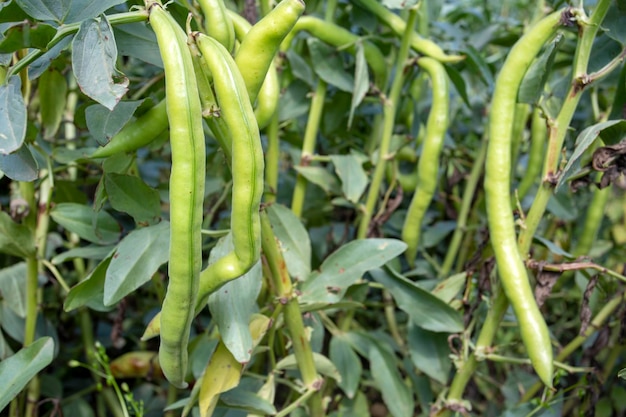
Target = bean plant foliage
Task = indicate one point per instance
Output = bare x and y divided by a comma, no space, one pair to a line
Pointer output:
372,285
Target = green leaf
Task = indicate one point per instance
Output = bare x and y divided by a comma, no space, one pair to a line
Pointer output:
19,369
52,99
138,41
605,130
42,63
618,107
459,83
350,170
240,398
320,177
323,365
12,116
138,256
98,227
613,23
346,266
299,68
85,252
430,352
94,56
535,78
19,165
449,288
328,65
131,195
622,373
425,310
11,12
294,241
13,288
90,291
233,304
5,349
553,248
15,239
348,364
396,394
361,81
27,35
477,64
64,11
103,123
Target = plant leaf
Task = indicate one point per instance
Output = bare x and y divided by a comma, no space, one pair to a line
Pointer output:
426,310
328,65
138,256
19,369
233,304
430,352
535,78
361,81
346,266
348,364
95,227
13,288
15,239
94,56
350,170
130,194
52,99
103,123
294,241
90,291
20,165
12,116
320,177
396,395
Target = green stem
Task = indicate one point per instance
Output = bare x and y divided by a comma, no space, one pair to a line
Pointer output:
292,315
272,160
389,114
538,134
466,206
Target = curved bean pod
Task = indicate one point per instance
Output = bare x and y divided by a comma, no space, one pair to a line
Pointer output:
186,193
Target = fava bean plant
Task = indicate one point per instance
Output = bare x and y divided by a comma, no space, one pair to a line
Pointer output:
338,208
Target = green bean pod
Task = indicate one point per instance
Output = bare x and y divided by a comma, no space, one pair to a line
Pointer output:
217,24
339,37
428,165
538,136
260,45
138,133
186,193
267,100
247,168
397,24
513,274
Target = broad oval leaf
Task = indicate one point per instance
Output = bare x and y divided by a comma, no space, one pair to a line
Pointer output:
320,177
20,165
12,116
19,369
348,364
104,123
13,288
328,65
90,291
98,227
138,256
322,364
350,170
396,394
52,99
361,81
233,304
294,240
425,309
15,239
430,352
130,194
346,266
94,56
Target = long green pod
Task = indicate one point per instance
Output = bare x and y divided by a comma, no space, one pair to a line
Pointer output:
217,24
514,277
186,193
247,168
138,133
397,24
339,37
538,139
428,165
268,97
260,45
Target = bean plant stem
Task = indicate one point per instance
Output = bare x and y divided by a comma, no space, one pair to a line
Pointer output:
466,206
389,113
312,129
272,159
292,315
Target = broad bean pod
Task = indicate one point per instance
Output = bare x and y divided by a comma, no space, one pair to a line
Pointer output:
397,24
513,274
138,133
428,165
339,37
217,24
260,45
247,168
186,193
